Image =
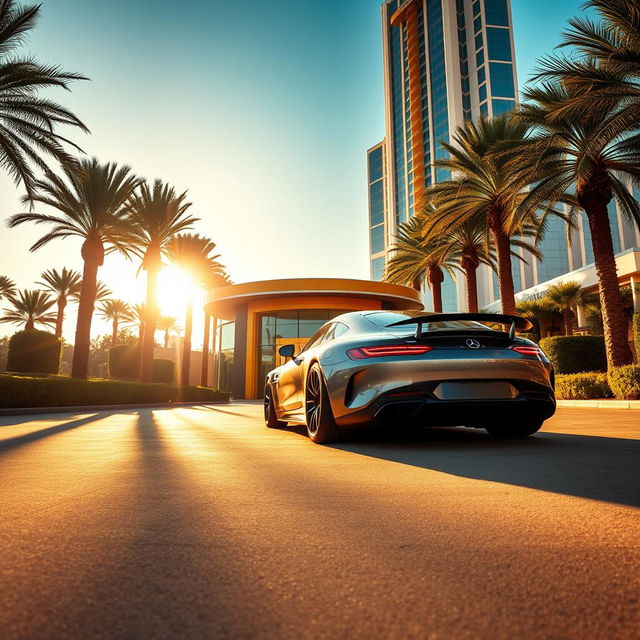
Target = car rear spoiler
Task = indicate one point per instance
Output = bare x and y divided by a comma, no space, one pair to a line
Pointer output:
514,322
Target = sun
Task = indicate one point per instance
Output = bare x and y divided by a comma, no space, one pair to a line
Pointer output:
176,288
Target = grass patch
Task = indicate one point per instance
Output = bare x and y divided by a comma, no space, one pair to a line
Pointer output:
18,391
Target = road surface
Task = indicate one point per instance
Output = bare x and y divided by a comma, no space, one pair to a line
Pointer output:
200,523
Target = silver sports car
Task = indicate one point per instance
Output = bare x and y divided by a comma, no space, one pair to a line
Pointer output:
398,367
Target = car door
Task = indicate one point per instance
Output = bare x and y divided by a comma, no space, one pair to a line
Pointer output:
291,378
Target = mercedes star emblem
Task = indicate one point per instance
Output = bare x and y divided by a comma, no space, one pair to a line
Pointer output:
472,344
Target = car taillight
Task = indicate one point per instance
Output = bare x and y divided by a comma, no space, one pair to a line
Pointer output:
388,350
528,350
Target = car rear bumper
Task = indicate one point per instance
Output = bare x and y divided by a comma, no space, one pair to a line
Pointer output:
420,407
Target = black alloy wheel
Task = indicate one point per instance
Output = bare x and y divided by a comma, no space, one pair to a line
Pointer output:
321,425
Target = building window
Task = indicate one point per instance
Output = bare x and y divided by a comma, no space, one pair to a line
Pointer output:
501,80
375,165
499,43
496,12
226,339
377,269
376,203
377,239
502,106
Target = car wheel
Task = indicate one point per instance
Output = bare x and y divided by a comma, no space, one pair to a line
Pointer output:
520,429
321,425
270,417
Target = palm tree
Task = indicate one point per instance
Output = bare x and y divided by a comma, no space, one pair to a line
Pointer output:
563,297
192,253
413,259
485,189
62,284
28,123
210,281
92,205
539,311
157,214
118,312
102,292
604,65
7,287
30,307
169,325
138,315
584,154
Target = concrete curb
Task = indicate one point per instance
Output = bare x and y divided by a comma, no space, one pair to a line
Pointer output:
600,404
19,411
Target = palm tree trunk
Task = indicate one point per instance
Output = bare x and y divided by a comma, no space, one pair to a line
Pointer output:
435,281
114,332
29,326
471,276
505,276
613,318
186,346
568,322
150,322
166,339
62,303
204,369
80,363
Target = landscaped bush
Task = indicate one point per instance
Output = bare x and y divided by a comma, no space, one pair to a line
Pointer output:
582,386
625,382
124,363
636,334
164,370
57,391
575,354
34,351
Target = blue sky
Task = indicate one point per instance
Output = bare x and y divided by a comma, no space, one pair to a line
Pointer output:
262,110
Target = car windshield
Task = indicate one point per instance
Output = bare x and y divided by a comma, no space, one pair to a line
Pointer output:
386,318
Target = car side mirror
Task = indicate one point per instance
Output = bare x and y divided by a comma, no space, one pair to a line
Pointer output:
287,350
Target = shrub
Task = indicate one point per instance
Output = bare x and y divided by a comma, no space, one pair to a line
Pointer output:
575,354
164,370
57,391
124,363
636,334
582,386
625,382
34,351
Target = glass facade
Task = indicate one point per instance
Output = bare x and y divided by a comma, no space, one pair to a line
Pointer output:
277,328
225,340
377,200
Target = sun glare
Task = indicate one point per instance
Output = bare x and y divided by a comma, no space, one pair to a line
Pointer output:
175,288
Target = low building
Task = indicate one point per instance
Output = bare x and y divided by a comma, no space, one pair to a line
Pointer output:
253,319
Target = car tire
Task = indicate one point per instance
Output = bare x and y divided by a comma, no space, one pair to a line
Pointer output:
270,417
321,425
522,429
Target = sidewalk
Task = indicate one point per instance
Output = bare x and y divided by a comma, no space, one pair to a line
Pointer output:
600,404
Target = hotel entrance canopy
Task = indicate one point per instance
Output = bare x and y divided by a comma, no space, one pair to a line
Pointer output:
253,319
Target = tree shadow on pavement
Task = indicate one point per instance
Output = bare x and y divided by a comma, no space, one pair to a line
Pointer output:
11,442
597,468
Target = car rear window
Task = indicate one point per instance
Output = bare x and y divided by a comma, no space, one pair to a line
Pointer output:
385,318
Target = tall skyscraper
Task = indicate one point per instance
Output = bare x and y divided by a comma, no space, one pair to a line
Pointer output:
447,61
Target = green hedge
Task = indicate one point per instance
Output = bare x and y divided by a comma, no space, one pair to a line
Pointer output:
582,386
164,370
34,351
625,382
58,391
636,334
575,354
124,363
